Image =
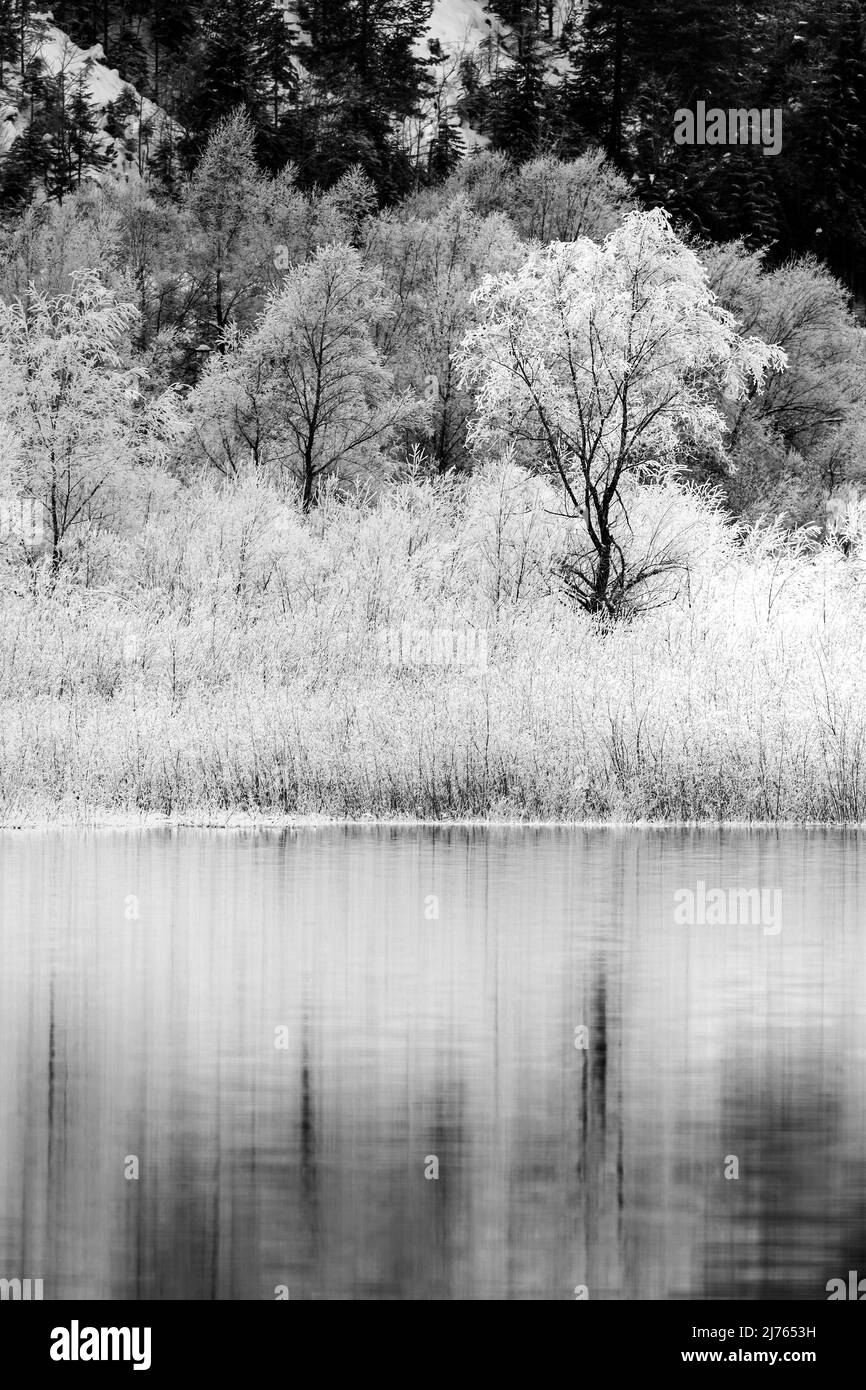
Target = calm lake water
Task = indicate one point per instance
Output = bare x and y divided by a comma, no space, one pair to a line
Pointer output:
286,1033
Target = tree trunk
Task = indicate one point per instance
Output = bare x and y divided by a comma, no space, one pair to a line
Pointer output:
309,477
598,602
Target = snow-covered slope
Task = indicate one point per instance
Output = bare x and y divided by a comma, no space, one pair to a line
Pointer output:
127,153
461,24
457,29
468,28
469,22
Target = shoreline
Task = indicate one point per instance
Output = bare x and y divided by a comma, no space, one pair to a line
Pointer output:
236,821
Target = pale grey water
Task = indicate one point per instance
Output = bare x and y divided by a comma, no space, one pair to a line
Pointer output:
409,1037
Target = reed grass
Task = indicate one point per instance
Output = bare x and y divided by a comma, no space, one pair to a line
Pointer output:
226,657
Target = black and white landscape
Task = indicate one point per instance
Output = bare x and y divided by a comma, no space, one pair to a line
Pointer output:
432,650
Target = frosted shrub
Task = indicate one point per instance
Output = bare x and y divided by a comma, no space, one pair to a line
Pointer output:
231,662
513,528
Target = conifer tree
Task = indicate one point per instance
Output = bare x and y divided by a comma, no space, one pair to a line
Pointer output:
85,141
9,38
822,180
25,166
365,76
519,100
447,148
172,26
243,61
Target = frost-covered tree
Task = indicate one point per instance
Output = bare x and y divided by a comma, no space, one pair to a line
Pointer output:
804,436
598,363
560,200
73,417
431,267
547,199
227,201
306,395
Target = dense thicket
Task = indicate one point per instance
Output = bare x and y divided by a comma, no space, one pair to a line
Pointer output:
286,370
329,84
296,279
311,335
